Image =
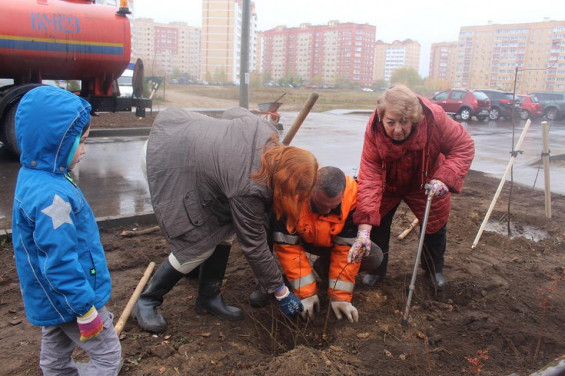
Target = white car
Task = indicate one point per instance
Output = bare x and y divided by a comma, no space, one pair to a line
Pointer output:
125,82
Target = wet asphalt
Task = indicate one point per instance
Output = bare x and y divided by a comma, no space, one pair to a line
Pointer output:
111,179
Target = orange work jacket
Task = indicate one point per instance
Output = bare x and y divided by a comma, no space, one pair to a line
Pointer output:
335,233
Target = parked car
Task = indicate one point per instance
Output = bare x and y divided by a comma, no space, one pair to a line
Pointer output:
553,104
528,107
501,103
125,81
463,103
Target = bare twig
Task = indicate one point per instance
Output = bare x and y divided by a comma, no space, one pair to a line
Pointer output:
132,233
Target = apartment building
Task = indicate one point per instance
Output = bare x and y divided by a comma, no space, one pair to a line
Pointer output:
488,55
443,62
391,56
220,49
321,53
167,49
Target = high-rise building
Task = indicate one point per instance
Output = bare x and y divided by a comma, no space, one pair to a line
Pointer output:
259,53
488,56
220,49
167,49
324,53
443,62
391,56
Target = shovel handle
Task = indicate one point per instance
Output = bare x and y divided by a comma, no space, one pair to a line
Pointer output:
300,119
129,306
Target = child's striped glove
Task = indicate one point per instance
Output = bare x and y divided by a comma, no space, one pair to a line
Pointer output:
90,325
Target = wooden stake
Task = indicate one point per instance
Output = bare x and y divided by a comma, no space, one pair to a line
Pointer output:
502,181
408,230
545,158
129,306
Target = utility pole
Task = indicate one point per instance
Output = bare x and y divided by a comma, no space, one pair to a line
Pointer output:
244,59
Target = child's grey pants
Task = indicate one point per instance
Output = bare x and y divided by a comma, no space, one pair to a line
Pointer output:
58,343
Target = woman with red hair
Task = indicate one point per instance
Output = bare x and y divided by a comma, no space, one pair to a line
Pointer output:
210,179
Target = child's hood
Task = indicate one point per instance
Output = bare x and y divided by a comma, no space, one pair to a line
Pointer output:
48,121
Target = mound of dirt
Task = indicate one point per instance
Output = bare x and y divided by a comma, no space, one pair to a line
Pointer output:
502,312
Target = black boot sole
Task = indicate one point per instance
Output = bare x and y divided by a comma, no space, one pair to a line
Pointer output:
201,310
152,329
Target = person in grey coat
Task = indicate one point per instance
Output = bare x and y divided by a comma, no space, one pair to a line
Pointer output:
212,178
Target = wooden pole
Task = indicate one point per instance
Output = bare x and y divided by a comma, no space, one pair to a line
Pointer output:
300,118
408,230
545,158
129,306
502,181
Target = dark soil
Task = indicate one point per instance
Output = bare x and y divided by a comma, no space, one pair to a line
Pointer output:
505,299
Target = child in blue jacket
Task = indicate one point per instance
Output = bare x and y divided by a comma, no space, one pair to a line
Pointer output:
61,264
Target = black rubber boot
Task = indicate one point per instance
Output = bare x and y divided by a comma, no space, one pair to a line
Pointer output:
145,310
258,298
433,257
193,274
209,299
373,260
376,276
372,265
380,235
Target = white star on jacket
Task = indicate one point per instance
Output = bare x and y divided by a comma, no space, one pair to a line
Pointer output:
59,212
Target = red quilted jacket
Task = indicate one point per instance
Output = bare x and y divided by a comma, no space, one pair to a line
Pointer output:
438,148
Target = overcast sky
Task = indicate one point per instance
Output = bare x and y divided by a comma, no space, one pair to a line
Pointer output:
424,21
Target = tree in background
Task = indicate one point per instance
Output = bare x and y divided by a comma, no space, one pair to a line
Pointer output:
346,83
433,85
406,76
379,85
290,79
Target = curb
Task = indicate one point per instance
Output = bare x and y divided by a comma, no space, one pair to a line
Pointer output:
120,132
104,223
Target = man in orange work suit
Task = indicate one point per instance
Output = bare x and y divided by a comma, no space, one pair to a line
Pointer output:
325,229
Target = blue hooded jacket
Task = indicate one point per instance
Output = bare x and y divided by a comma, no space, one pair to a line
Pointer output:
59,258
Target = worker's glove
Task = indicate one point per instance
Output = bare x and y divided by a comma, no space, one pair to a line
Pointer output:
361,247
311,305
347,309
437,188
89,325
289,303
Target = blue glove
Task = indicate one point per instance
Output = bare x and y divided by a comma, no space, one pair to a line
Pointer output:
290,304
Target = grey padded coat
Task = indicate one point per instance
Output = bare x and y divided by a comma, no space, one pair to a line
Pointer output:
198,170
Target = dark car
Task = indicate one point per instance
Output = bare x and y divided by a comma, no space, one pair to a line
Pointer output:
463,103
528,107
501,102
553,104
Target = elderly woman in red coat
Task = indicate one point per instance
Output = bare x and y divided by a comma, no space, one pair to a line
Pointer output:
409,142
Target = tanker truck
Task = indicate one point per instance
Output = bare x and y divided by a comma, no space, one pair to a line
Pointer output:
76,40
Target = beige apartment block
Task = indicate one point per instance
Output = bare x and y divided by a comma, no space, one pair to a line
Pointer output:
258,68
220,49
321,54
443,62
167,49
391,56
489,56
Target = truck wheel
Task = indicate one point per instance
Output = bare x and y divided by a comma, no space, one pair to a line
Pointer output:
9,129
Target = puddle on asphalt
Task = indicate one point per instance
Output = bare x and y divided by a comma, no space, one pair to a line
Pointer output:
528,232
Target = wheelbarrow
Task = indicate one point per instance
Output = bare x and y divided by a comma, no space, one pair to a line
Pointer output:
268,111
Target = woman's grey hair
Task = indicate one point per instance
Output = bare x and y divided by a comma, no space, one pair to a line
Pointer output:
400,100
331,180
